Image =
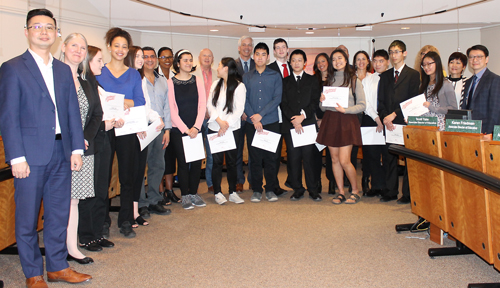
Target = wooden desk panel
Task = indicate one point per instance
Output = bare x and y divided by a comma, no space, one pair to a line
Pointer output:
426,183
492,163
468,217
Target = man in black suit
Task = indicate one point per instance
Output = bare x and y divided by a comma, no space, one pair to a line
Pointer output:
244,63
482,90
396,85
299,102
282,66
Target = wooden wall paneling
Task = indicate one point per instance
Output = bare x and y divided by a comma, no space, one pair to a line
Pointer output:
492,163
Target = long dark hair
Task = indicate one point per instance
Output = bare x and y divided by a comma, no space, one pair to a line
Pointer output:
233,80
368,66
329,68
348,72
439,75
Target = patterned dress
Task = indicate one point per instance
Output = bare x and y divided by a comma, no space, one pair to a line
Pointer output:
433,99
82,182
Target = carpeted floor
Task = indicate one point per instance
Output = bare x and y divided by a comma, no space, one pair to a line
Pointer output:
280,244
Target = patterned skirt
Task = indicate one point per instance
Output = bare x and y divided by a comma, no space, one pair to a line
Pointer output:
82,182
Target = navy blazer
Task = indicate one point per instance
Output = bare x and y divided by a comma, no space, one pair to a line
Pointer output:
239,65
485,103
390,95
94,116
276,68
27,113
304,96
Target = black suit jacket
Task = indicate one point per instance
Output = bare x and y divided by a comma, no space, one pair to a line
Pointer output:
391,94
276,68
304,96
485,103
239,65
93,120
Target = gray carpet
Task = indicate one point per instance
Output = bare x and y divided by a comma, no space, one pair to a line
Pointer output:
280,244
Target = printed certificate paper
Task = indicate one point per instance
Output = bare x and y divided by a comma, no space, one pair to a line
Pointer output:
414,106
307,137
151,134
221,143
336,95
135,121
266,140
112,105
370,136
193,148
396,136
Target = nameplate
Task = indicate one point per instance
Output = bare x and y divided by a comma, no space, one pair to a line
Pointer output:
422,121
496,133
464,126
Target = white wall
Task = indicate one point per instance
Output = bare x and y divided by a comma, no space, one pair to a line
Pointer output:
490,39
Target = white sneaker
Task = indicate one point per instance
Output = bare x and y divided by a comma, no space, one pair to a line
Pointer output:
235,198
220,199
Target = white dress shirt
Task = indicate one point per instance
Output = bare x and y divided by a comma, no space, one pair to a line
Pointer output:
233,119
370,87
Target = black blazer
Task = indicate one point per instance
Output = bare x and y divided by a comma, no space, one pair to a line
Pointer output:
304,96
239,65
94,116
485,101
390,95
276,68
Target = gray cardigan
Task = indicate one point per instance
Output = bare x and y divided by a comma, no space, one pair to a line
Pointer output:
447,99
360,96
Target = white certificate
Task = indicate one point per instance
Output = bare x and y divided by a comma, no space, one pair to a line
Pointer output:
320,146
112,105
221,143
414,106
151,134
193,148
395,136
135,121
370,136
336,95
266,140
307,137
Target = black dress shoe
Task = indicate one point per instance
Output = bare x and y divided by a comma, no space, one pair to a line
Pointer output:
373,192
297,196
105,243
158,209
288,184
86,260
144,212
171,195
315,196
280,191
387,198
127,230
365,185
92,247
404,200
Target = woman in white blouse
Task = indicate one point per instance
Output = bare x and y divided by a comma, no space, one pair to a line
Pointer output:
225,106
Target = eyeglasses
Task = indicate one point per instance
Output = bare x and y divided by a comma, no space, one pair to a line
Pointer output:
428,64
472,58
395,52
38,28
147,56
165,57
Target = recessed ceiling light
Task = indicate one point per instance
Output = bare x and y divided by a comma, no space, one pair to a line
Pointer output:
214,30
405,28
309,32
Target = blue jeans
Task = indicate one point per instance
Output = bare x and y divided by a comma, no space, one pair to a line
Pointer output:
156,167
208,168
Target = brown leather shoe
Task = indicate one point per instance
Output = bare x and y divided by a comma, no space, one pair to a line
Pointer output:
36,282
239,187
68,275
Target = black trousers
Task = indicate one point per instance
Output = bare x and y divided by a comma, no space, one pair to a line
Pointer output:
262,159
140,169
93,211
298,157
127,152
218,162
371,159
187,173
390,163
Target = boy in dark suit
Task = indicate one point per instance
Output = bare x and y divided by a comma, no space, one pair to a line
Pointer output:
396,85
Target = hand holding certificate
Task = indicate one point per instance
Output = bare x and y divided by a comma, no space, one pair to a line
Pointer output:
395,136
193,148
135,121
414,106
112,105
334,95
266,140
307,137
370,136
151,134
221,143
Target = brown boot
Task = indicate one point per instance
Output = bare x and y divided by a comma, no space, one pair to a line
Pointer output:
36,282
68,275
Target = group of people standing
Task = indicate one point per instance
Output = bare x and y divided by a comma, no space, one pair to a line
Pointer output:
57,141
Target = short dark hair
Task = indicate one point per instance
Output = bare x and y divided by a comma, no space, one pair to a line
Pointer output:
40,12
458,56
117,32
279,40
398,43
177,59
261,45
299,52
147,48
163,49
381,53
479,47
368,66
